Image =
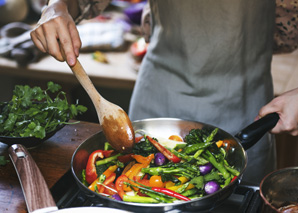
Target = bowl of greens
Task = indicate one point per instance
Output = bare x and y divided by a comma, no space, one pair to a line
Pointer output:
33,114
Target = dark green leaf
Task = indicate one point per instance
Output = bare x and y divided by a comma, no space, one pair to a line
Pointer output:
24,116
53,87
3,161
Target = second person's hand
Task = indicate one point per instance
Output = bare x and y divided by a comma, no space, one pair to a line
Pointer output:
286,105
56,29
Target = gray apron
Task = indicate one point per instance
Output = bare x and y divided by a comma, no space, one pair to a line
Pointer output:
209,61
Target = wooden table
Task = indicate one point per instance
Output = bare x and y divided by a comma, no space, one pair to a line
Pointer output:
52,157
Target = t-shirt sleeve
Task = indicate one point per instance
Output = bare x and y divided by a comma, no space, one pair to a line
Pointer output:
91,8
286,26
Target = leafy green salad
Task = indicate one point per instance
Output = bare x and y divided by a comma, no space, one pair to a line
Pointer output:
33,112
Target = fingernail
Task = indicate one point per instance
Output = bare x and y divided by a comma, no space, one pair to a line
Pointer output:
71,61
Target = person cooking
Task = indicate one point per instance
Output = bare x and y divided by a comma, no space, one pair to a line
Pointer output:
207,61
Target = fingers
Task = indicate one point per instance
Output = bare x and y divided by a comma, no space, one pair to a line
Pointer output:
38,43
45,37
76,41
57,34
66,45
286,106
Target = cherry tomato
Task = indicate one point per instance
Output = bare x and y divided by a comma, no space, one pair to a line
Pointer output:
176,138
109,191
155,181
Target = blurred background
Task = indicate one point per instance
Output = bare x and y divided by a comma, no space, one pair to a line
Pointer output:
111,55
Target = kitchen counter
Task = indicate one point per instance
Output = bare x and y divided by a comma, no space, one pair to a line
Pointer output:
52,157
121,72
118,73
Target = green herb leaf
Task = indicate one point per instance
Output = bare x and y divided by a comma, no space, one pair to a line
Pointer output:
32,112
3,161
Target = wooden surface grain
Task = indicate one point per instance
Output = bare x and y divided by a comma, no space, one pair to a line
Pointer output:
53,158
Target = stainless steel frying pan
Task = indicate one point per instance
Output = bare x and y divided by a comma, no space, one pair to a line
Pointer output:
164,127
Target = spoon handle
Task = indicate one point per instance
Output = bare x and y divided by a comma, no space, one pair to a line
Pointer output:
87,84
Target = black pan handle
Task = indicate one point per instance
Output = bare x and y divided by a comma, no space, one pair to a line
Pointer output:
251,134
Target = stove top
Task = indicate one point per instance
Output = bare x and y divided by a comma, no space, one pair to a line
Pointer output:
246,198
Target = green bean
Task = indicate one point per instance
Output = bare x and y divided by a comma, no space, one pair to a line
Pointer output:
201,161
195,147
190,192
158,197
217,165
107,160
181,155
227,181
211,136
182,188
198,153
230,169
139,199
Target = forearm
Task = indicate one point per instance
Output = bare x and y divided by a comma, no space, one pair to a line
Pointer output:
83,9
72,6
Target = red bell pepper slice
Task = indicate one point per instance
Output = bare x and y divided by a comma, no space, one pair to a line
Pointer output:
138,139
107,181
234,178
119,185
125,158
110,189
107,153
169,155
91,174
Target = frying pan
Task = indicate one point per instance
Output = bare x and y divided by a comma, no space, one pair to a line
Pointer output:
37,195
280,189
164,127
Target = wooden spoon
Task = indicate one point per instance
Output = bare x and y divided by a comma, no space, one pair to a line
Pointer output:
115,122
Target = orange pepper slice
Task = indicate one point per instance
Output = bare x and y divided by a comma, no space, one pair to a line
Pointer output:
135,169
107,173
219,143
143,160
